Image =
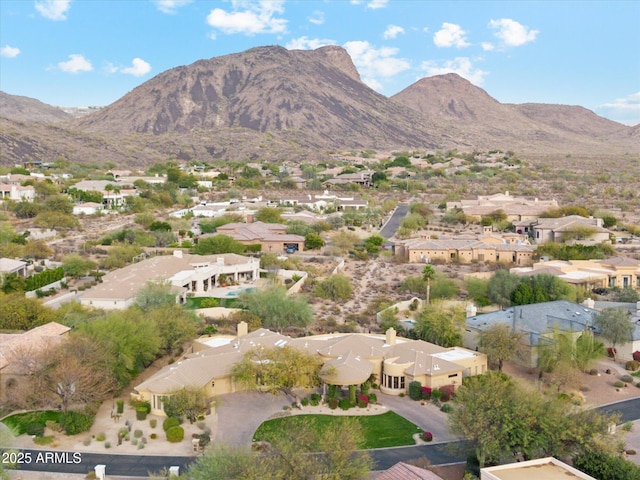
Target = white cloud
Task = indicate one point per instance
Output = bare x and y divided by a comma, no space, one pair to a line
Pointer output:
373,63
77,63
512,33
53,9
305,43
450,35
170,6
463,66
375,4
624,110
138,68
249,17
317,17
9,52
392,31
487,46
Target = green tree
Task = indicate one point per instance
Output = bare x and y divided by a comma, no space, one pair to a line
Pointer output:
500,343
277,369
373,244
219,244
174,325
334,287
120,254
440,325
277,310
12,283
155,294
187,402
313,241
20,313
615,326
500,287
428,272
75,266
269,215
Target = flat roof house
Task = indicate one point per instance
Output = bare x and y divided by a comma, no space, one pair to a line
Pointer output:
273,237
193,275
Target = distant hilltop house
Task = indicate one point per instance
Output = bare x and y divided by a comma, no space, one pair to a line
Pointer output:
188,275
564,229
88,208
516,208
272,237
16,192
536,322
507,248
395,362
362,178
622,272
323,201
113,193
16,347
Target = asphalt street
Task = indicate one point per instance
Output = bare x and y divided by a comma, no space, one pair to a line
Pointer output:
390,228
140,465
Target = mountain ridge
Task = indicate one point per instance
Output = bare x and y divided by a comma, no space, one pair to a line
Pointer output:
271,102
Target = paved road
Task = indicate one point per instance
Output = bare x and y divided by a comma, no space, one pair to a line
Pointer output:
141,465
391,227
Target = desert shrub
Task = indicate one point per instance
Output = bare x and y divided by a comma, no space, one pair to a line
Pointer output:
120,406
415,390
332,391
632,365
142,403
134,441
605,466
153,422
446,408
54,426
618,384
345,404
175,434
153,436
363,401
137,433
436,395
630,452
373,398
141,413
627,378
101,437
593,371
628,426
304,402
315,399
107,444
426,436
169,423
448,391
425,393
75,422
36,429
333,403
87,441
209,303
140,446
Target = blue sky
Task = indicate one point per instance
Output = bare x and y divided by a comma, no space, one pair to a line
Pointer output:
92,52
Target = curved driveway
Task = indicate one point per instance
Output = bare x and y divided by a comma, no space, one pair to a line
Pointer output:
140,465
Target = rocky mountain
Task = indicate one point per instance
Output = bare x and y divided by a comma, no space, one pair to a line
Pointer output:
272,103
268,89
25,109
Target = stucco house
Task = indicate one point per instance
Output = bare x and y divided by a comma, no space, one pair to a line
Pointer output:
273,237
188,275
566,229
516,208
17,193
484,249
88,208
536,322
9,266
393,361
622,272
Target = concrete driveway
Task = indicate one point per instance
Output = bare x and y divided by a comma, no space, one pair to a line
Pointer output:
240,414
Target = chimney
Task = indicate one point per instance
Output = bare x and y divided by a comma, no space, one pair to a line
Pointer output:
249,218
391,336
177,253
243,329
589,303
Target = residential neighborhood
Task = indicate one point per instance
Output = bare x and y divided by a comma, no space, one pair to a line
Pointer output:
196,286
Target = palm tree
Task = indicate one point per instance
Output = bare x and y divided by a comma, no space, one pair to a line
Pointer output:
427,274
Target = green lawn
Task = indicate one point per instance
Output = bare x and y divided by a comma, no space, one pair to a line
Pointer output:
386,430
18,423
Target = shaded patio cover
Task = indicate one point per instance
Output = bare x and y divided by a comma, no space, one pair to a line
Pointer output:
348,369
